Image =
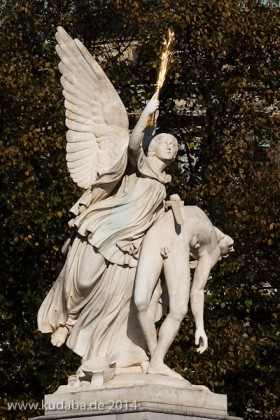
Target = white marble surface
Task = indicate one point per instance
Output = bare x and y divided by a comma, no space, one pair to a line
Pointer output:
145,389
123,237
167,248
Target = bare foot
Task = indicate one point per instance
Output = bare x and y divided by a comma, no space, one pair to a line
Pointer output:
59,336
162,369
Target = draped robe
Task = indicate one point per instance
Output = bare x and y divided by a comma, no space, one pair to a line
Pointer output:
93,293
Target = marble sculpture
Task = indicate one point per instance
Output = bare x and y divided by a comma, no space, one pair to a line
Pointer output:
109,294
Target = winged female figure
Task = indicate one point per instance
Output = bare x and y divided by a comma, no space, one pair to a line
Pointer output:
90,306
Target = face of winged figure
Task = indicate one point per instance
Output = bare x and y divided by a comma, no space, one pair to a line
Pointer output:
164,147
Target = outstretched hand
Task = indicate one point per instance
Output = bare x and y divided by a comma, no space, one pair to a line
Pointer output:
201,340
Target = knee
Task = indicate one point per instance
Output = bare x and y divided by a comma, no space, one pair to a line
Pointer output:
178,312
141,302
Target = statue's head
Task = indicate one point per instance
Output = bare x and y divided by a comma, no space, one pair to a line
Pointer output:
164,146
225,243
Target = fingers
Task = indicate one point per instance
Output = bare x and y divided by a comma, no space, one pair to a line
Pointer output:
154,99
201,349
201,340
152,106
156,114
155,103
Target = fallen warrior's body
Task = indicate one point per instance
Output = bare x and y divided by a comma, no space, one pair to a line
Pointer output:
167,246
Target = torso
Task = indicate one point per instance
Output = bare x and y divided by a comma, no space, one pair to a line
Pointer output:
116,226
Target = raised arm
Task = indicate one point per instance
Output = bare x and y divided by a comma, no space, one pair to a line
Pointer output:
139,130
205,263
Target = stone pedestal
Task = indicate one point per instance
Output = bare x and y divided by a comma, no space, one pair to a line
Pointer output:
136,397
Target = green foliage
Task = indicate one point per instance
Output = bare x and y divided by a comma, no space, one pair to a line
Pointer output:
226,59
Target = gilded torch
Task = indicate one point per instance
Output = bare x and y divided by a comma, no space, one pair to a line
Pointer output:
164,60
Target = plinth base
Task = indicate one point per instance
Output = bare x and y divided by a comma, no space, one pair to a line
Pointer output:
137,397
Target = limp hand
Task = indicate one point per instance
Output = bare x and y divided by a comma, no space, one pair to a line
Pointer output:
201,340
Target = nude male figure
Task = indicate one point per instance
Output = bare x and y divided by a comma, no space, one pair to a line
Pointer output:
167,246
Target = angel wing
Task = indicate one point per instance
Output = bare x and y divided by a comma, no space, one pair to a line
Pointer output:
97,122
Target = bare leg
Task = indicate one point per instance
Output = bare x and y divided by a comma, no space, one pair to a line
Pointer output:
167,334
177,276
147,322
147,276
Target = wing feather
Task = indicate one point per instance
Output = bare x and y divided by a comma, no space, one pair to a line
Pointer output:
73,137
78,155
72,164
75,78
86,112
79,171
83,128
78,102
97,122
68,52
75,147
82,119
74,89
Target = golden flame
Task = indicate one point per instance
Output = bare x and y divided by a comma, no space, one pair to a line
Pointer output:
165,55
166,49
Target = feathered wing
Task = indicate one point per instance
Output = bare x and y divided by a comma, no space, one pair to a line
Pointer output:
97,122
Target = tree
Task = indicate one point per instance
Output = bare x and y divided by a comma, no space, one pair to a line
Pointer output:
225,60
